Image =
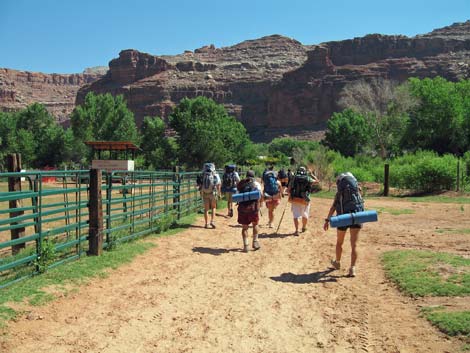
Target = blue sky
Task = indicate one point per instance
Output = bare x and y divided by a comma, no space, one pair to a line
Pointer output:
69,36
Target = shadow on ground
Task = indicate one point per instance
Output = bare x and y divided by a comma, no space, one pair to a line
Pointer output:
315,277
214,251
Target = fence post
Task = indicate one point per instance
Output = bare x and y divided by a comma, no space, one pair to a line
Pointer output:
176,190
14,184
386,178
95,207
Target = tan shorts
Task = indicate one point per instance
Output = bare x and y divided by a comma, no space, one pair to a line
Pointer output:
209,200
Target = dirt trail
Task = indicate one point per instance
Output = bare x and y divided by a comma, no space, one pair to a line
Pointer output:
197,292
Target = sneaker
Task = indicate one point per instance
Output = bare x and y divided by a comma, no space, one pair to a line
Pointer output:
270,225
336,265
212,225
206,226
256,245
296,233
245,248
352,272
230,213
304,229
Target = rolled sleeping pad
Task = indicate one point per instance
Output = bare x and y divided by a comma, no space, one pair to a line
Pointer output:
348,219
246,196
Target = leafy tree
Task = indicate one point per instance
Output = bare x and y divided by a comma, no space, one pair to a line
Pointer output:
347,132
159,150
206,133
103,117
441,121
384,106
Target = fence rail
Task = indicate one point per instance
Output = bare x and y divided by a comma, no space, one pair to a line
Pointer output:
47,221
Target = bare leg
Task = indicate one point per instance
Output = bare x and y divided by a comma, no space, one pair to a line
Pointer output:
271,213
296,224
354,239
339,244
245,237
304,222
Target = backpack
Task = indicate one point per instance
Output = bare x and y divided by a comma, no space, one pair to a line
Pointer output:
228,179
270,183
208,179
349,200
301,186
282,174
246,185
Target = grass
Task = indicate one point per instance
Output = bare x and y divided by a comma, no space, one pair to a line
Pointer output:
66,278
437,199
454,230
395,211
451,323
424,273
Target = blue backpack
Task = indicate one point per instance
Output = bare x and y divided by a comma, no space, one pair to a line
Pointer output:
270,183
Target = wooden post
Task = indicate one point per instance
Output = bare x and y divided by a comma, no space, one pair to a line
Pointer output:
95,207
386,178
14,184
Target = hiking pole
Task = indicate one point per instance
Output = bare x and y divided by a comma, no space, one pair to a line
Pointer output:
283,212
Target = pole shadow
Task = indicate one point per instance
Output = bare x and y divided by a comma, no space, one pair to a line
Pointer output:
275,235
315,277
214,251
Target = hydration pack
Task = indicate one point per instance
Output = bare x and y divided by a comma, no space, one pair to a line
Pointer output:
270,183
350,199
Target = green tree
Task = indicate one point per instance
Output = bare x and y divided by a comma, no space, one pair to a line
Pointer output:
159,150
104,117
441,120
206,133
347,132
384,105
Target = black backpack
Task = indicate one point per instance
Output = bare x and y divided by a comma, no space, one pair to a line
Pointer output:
282,174
301,186
349,198
228,179
246,185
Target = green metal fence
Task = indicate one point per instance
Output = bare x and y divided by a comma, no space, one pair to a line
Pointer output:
46,222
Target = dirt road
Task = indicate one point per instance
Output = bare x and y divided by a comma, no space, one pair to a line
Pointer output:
197,292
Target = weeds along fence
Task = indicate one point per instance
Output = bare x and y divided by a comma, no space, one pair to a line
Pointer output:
45,217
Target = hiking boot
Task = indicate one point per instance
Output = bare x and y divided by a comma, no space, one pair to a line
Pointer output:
206,226
245,248
296,233
270,225
304,229
230,213
352,272
336,264
212,225
256,245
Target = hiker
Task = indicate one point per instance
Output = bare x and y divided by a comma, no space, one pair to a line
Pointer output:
299,190
348,199
284,179
248,211
272,193
210,189
230,179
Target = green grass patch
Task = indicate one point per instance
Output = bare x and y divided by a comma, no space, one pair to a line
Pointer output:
425,273
65,278
437,199
454,230
395,211
451,323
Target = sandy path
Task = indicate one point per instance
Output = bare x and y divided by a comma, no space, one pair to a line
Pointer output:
197,292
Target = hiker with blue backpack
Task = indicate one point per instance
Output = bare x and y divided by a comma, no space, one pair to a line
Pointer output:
272,193
302,184
210,188
230,179
348,199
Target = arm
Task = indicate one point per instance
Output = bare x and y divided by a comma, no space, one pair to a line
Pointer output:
326,225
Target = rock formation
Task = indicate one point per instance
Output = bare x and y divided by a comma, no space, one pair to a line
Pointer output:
274,85
57,92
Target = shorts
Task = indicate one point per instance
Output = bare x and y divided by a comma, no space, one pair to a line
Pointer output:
247,218
351,226
274,202
209,200
228,196
299,210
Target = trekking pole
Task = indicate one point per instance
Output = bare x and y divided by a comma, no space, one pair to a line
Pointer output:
283,212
